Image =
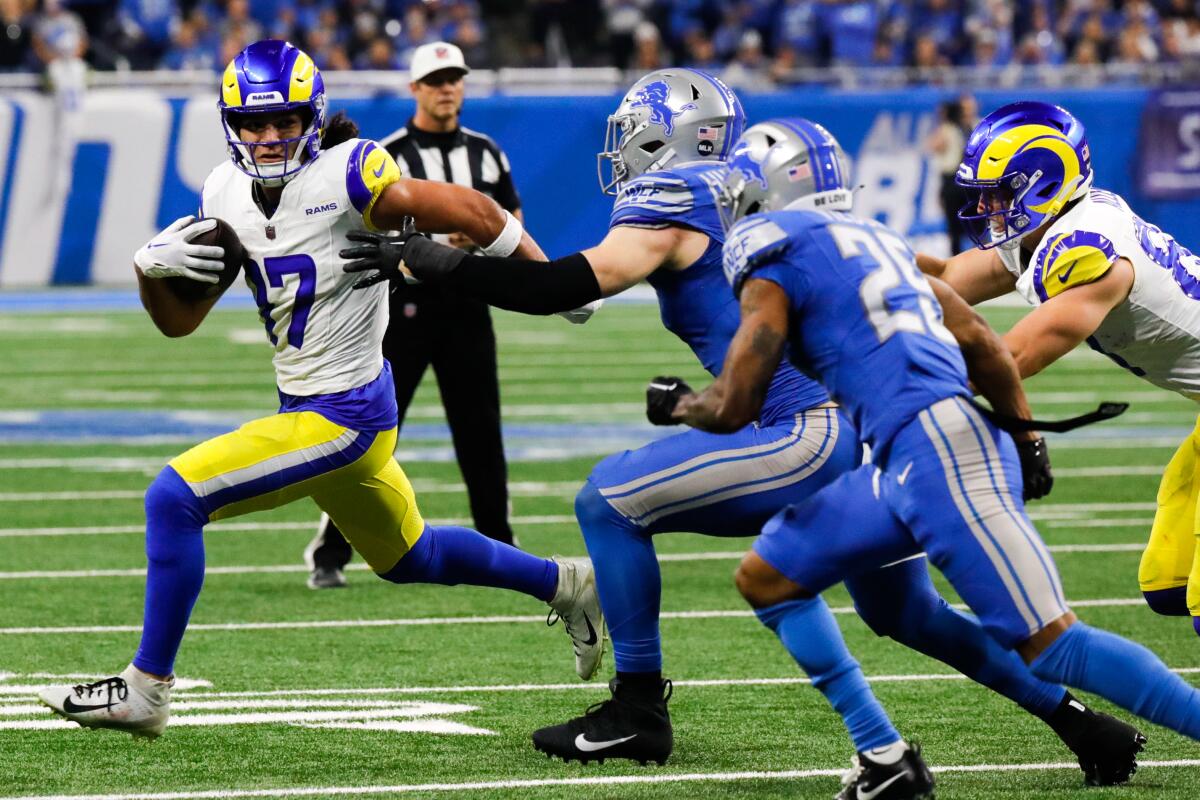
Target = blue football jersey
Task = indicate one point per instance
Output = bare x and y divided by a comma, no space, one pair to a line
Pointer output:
864,321
695,304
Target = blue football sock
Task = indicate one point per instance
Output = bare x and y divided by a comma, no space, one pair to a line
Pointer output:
451,555
627,578
175,522
901,602
1168,602
1125,673
809,632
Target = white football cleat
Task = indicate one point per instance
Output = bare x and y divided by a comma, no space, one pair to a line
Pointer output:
577,604
131,701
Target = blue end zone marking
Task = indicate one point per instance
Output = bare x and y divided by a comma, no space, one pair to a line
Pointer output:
14,148
82,214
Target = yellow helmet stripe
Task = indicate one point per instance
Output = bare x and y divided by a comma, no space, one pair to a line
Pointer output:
231,93
993,163
301,86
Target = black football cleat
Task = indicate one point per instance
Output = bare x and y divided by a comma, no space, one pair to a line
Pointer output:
624,726
1106,747
905,778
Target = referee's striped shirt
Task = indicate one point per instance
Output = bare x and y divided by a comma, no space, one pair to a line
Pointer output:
461,156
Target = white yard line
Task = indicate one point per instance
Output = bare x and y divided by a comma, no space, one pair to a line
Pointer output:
652,778
1108,472
436,621
271,569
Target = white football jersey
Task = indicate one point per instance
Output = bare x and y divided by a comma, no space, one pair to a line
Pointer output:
1155,332
327,336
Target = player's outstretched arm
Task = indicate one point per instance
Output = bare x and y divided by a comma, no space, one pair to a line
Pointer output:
990,365
735,398
1061,323
993,371
976,275
625,257
449,208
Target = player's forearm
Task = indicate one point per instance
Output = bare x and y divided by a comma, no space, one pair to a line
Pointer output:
931,265
515,284
171,315
528,248
715,411
994,374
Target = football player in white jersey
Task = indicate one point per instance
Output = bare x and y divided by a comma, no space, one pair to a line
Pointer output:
1096,272
298,192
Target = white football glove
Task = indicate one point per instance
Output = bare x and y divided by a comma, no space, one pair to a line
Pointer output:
578,316
171,253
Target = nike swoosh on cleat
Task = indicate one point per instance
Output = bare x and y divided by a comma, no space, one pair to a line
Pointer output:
583,744
873,793
665,387
71,708
591,640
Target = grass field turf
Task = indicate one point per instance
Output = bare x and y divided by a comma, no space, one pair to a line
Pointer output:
569,393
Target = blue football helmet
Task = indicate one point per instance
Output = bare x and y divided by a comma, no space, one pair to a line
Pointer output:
271,76
1022,164
785,163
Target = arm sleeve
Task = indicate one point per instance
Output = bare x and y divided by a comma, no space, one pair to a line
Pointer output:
530,287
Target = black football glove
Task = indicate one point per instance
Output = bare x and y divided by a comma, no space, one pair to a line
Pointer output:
662,395
1035,468
378,254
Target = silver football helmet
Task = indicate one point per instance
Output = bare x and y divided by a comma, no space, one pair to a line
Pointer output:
669,116
785,163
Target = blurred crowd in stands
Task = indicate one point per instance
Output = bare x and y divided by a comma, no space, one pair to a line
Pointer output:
753,43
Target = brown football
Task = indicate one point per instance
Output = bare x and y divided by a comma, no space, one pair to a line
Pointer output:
235,255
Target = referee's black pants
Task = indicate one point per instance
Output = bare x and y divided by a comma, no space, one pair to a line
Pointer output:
455,336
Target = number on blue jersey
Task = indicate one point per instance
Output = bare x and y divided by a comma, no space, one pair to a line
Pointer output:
895,267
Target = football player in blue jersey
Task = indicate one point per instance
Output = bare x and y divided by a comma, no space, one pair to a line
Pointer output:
843,298
667,143
298,189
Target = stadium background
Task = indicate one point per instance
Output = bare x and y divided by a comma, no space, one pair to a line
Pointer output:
376,691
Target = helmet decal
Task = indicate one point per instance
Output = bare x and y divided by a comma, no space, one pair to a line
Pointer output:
654,96
745,162
785,163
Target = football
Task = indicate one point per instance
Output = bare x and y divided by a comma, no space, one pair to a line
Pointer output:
235,255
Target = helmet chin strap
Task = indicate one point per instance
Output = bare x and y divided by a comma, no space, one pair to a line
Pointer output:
278,173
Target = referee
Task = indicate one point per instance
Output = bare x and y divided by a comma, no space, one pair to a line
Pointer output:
428,327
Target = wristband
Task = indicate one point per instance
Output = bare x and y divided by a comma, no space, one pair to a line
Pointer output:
508,240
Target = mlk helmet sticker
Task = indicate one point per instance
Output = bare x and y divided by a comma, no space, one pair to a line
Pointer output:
654,97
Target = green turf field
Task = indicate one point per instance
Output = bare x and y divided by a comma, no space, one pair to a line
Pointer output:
433,691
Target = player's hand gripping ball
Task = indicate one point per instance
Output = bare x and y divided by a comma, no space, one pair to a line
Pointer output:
199,259
662,395
1035,468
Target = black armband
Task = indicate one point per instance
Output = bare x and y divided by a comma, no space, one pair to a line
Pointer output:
530,287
